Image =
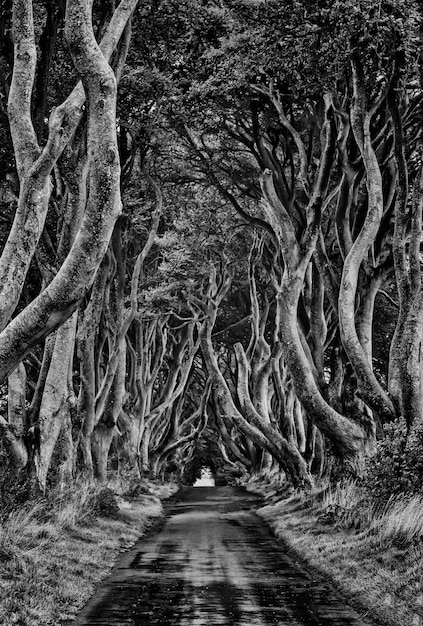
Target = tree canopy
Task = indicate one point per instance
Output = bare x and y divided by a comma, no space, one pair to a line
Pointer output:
213,241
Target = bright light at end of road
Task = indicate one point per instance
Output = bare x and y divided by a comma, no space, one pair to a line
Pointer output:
206,479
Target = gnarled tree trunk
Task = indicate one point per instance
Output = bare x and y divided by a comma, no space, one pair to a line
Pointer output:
62,296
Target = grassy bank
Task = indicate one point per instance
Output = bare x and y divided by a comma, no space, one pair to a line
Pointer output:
374,555
53,552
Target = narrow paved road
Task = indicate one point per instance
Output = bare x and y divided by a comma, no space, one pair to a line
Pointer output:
214,562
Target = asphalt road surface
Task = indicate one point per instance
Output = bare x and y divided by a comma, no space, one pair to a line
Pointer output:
214,562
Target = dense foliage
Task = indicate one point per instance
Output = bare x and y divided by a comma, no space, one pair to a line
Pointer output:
397,466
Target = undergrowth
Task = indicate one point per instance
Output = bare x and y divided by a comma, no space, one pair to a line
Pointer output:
54,549
348,506
373,553
364,534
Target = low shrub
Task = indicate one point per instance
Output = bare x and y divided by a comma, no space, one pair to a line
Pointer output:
105,503
397,466
137,488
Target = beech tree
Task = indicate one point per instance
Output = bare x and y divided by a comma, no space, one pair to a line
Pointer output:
91,215
317,154
209,249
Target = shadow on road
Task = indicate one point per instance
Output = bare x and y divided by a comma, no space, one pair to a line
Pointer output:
214,562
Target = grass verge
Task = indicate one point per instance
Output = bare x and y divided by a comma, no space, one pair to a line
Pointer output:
54,552
374,556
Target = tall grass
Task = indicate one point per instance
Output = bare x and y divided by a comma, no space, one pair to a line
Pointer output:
26,528
346,495
342,505
18,531
347,506
74,505
400,521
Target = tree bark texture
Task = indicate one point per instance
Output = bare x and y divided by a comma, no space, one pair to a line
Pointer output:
370,389
55,406
15,428
62,296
